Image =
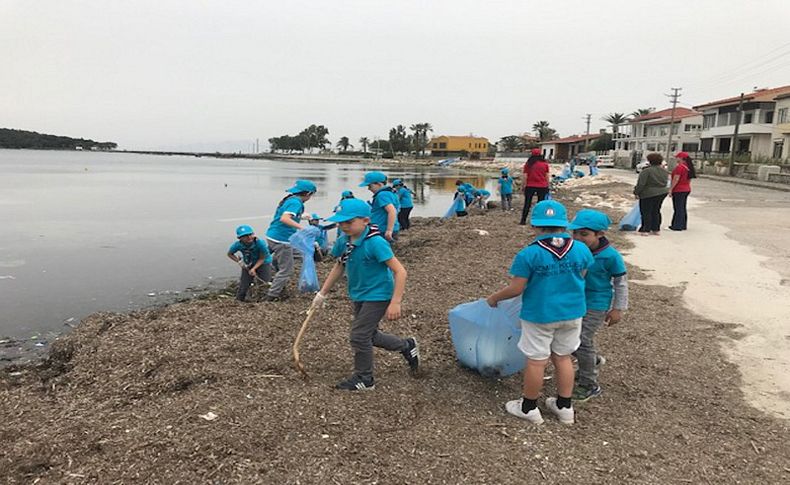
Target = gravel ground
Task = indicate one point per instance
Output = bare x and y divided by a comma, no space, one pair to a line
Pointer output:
121,398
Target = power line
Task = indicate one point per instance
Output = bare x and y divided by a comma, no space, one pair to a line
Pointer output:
754,63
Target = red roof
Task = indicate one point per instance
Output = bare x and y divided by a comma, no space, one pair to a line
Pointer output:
759,95
572,139
665,113
677,118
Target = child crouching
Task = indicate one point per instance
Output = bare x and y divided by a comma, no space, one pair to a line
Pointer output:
549,276
376,282
255,261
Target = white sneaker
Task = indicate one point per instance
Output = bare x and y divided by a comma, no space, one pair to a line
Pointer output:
565,415
514,408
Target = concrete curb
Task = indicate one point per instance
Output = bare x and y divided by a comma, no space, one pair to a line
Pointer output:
750,183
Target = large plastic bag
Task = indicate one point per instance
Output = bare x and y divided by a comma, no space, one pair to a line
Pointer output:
304,242
632,220
458,205
486,339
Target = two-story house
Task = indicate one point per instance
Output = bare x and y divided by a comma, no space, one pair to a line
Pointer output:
650,133
756,129
444,146
781,132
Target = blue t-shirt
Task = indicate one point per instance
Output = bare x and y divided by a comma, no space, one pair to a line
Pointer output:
482,193
555,285
277,230
404,195
505,185
608,264
369,277
378,215
251,253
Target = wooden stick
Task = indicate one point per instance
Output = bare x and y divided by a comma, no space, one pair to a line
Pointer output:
297,361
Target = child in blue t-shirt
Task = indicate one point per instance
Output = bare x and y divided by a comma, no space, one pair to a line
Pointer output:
255,261
285,223
606,293
376,282
405,195
505,182
549,276
384,205
322,241
481,198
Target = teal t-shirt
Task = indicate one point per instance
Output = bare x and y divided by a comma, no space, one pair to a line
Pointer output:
277,230
555,285
251,253
505,185
404,196
608,264
378,215
369,277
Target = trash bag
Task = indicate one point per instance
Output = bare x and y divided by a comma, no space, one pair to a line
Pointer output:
304,242
632,220
486,339
548,196
457,207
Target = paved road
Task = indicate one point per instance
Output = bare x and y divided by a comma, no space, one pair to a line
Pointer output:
735,263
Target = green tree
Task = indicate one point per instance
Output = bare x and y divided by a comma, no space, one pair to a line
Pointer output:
512,143
400,141
602,143
420,137
344,144
364,142
642,112
316,136
615,119
543,131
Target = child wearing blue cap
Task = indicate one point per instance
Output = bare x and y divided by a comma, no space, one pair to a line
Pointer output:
284,224
549,276
322,241
480,198
405,195
255,261
384,205
606,293
376,282
505,182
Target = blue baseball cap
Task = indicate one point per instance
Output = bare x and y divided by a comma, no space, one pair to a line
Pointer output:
244,230
549,213
374,178
505,170
397,182
590,219
347,194
351,209
314,217
302,186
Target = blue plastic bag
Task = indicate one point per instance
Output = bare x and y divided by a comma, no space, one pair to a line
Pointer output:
632,220
486,339
458,205
304,242
548,196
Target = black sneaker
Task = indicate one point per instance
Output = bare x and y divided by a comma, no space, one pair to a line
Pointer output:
412,354
356,383
281,297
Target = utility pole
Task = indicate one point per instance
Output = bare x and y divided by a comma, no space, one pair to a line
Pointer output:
257,145
675,95
735,136
587,139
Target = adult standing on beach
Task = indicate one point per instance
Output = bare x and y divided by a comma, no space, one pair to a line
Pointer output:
680,190
536,181
284,224
651,190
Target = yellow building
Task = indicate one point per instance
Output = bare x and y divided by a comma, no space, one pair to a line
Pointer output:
443,146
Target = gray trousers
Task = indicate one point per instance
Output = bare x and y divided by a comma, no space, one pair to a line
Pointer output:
586,354
283,255
365,335
507,202
264,272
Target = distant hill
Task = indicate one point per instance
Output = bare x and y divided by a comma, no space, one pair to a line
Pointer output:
30,139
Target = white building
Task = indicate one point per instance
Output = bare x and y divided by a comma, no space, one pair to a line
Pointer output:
650,133
781,131
757,128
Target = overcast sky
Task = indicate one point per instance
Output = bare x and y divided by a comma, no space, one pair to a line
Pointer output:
168,74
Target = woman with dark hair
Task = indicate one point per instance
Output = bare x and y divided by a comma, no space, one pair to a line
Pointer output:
680,190
536,181
651,190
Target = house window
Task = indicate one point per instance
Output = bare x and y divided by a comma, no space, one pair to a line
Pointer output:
779,145
435,145
690,147
747,118
651,147
442,145
709,121
675,129
781,116
689,128
769,117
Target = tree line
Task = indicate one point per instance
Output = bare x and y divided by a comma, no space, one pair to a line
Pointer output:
413,139
10,138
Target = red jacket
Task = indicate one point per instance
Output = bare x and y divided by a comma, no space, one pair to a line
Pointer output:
536,175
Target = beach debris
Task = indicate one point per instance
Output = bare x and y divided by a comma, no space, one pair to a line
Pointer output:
482,232
16,374
152,294
209,416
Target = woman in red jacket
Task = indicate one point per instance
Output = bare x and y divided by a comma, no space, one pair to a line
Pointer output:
680,189
536,181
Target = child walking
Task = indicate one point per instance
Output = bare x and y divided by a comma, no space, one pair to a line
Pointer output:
549,276
384,205
606,293
284,224
505,182
376,282
256,261
405,195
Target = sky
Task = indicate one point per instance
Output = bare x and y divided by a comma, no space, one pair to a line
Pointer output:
206,75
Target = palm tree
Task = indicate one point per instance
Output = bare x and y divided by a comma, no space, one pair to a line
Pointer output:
642,112
544,131
615,119
344,144
421,136
364,142
512,143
